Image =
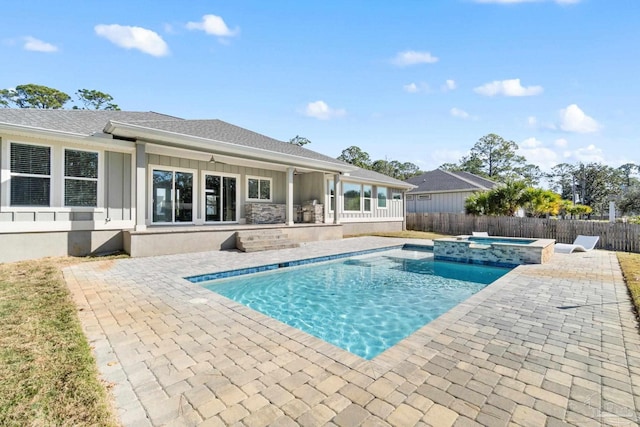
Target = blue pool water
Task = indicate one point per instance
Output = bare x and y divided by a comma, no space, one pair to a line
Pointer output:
363,304
490,240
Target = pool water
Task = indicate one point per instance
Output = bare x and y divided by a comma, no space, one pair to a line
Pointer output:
364,304
490,240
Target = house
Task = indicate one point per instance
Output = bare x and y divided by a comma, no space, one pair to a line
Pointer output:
77,182
444,191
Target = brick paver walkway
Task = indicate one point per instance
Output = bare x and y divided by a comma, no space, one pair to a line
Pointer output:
554,344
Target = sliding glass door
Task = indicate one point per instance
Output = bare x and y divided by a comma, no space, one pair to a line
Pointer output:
172,197
220,198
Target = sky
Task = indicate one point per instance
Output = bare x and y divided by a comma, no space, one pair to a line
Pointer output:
414,80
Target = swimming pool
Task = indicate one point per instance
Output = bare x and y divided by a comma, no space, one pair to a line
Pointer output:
363,304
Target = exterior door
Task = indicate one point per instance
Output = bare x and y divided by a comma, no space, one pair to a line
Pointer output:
172,196
220,198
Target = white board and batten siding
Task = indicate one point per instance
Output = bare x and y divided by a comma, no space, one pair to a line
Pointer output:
114,210
450,202
278,179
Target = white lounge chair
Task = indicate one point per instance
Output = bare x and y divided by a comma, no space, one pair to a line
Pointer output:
480,233
581,244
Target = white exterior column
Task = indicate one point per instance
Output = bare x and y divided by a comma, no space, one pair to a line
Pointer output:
289,209
337,188
141,186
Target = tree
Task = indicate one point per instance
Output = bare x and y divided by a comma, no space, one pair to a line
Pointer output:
35,96
561,179
494,157
626,171
505,199
299,141
96,100
5,97
540,203
630,203
355,156
596,184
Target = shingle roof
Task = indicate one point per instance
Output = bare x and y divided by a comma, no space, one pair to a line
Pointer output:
440,180
219,130
89,122
81,122
370,175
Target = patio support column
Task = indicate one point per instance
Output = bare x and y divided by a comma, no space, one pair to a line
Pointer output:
289,212
337,211
141,185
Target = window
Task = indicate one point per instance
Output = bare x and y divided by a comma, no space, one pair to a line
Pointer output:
332,195
351,196
30,172
259,189
80,178
367,190
409,196
424,197
395,195
172,196
382,197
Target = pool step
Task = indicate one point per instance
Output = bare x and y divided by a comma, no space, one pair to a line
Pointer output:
263,240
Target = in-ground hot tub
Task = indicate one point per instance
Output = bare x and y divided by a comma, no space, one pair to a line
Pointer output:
499,251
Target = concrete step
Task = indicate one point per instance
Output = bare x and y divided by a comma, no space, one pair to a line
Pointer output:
263,240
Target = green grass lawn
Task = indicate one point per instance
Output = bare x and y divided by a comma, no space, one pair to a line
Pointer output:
630,264
48,376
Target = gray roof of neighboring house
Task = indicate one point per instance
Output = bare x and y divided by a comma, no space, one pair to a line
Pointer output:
442,181
88,122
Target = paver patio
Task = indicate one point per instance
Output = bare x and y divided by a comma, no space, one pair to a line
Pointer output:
554,344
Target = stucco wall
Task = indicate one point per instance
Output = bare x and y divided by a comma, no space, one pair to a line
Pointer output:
22,246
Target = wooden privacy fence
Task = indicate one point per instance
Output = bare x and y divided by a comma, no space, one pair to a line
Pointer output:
613,236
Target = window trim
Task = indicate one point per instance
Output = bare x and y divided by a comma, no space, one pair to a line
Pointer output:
12,174
329,195
365,198
386,197
394,193
195,202
99,180
203,207
342,187
259,178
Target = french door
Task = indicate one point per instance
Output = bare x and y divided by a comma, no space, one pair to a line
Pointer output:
172,198
220,194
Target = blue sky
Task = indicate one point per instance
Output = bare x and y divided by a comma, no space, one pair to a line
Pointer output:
417,81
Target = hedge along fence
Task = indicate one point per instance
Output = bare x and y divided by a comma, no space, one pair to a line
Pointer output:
613,236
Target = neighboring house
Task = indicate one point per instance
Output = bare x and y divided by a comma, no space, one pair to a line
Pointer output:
78,182
444,191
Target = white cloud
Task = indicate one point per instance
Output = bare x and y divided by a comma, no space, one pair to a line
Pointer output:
561,142
589,154
573,119
411,57
511,87
532,121
457,112
36,45
449,85
536,153
213,25
416,87
128,37
320,110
